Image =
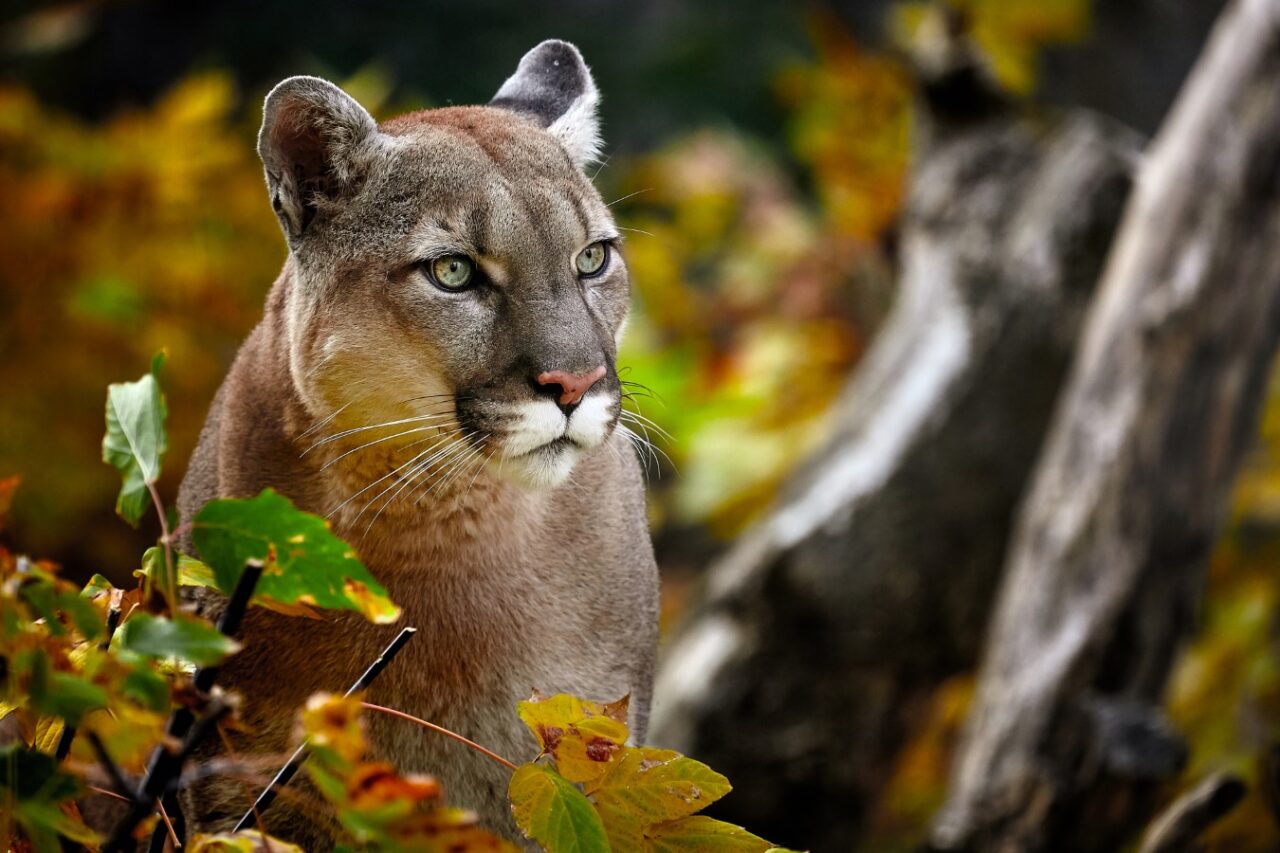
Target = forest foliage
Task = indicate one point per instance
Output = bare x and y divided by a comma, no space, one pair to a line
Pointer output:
114,682
760,274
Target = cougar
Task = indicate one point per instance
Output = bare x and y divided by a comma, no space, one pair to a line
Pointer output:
435,373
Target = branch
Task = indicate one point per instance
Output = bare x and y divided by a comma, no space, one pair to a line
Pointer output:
1187,818
290,769
166,767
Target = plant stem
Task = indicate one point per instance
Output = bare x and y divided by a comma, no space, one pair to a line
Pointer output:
166,541
440,730
290,769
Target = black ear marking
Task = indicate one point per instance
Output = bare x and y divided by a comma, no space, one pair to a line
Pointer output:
550,78
553,86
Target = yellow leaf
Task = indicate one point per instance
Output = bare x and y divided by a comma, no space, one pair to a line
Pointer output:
48,731
698,834
581,736
649,786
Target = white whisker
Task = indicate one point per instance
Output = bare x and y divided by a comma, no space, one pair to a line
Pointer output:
338,459
354,430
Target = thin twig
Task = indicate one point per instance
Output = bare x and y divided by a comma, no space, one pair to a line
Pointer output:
290,769
166,541
173,836
109,793
440,730
110,767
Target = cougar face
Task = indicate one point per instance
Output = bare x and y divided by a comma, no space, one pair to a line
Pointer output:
461,286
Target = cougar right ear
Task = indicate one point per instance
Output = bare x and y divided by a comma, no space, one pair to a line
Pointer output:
314,146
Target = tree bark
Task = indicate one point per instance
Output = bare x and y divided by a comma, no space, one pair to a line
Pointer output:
821,635
1063,744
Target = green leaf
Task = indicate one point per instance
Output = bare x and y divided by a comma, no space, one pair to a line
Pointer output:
699,833
136,441
34,787
550,810
189,570
60,694
304,561
32,775
96,586
192,640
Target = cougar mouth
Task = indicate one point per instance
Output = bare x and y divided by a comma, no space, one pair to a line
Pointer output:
534,442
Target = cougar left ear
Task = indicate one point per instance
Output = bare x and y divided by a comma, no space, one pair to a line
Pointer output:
315,143
553,86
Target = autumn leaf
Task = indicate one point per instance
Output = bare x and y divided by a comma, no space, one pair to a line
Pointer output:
701,833
581,736
334,722
129,733
304,561
376,785
549,809
136,441
647,786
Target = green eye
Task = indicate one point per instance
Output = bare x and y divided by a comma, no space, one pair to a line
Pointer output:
452,272
591,260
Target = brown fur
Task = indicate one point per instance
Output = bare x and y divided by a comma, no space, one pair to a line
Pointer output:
512,586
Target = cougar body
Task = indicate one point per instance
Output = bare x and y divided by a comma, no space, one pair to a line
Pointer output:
464,440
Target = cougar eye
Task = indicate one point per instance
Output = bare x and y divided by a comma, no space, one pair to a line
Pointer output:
451,272
591,260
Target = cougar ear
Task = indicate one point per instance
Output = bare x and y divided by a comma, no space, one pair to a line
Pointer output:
553,86
315,145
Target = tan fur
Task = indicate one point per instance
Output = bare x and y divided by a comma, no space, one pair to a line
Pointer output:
512,587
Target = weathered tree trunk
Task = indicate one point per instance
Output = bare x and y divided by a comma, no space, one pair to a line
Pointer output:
824,631
1108,559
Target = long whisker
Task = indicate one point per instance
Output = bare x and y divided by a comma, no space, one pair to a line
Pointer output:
354,430
323,422
639,419
456,466
404,485
337,459
435,450
628,195
436,459
480,460
390,473
448,466
639,446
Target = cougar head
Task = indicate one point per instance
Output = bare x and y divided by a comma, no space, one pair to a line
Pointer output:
458,286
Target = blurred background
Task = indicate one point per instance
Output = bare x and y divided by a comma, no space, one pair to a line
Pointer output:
757,153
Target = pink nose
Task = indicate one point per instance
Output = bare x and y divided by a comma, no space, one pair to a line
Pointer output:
572,385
